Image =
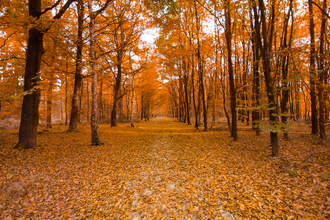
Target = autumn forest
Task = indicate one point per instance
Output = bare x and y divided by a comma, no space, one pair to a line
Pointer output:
160,109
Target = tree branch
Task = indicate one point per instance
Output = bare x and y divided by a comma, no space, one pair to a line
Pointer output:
9,58
50,8
63,9
4,42
214,15
102,9
324,12
121,96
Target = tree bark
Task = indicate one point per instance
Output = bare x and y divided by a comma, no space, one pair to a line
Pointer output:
256,80
132,99
120,50
231,74
51,85
265,47
187,98
74,116
117,90
200,68
94,125
322,75
30,106
29,117
285,69
312,69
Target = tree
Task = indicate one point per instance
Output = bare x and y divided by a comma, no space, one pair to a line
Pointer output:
230,70
30,106
92,17
322,75
78,77
265,45
126,32
312,69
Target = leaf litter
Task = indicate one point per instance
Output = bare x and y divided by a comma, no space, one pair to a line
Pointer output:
163,169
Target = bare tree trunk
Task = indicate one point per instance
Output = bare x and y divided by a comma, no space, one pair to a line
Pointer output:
66,93
285,69
322,75
256,80
120,105
265,52
30,106
88,102
100,101
142,104
51,85
231,74
312,69
27,137
94,125
193,91
132,98
117,94
74,116
200,68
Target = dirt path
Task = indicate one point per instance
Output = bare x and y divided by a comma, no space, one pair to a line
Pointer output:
169,186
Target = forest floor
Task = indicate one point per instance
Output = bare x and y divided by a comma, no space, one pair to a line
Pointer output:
164,169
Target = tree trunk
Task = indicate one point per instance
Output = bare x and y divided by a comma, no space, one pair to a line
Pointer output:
256,80
116,92
285,69
100,101
186,81
88,102
66,93
50,100
94,125
193,90
30,106
265,52
312,69
322,75
132,98
29,116
51,84
120,50
74,117
231,74
200,68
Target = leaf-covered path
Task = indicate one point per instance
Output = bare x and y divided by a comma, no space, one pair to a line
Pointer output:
162,169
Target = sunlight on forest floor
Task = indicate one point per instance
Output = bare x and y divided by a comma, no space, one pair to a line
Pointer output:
164,169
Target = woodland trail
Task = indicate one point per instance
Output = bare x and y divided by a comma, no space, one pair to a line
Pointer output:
171,180
161,169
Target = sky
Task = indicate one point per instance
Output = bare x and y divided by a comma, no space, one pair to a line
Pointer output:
150,35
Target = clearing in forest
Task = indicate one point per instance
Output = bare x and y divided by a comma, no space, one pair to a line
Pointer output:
164,169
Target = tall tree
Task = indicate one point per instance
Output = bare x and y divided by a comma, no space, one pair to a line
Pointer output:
265,34
74,116
125,35
322,74
92,17
312,68
228,34
285,66
30,106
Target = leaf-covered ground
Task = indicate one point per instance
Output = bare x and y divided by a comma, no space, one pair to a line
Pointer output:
163,169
